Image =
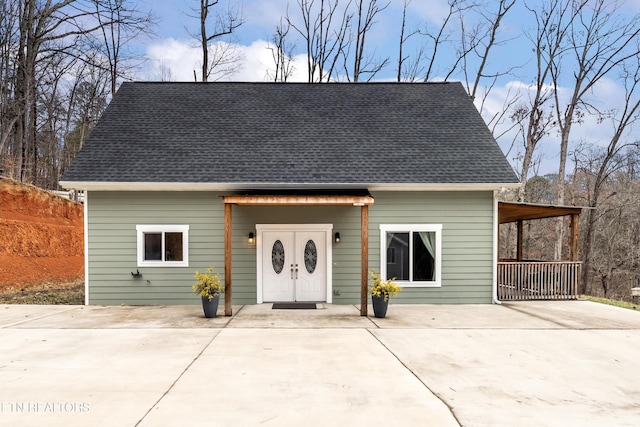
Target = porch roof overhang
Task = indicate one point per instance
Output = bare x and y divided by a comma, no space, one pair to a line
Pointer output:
356,198
516,211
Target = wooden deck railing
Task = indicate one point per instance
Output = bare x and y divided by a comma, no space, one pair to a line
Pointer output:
518,281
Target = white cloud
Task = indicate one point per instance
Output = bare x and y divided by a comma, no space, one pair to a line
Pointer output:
171,59
259,61
176,60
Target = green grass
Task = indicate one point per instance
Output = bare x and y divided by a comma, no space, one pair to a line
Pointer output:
617,303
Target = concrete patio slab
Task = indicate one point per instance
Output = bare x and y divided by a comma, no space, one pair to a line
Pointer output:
72,377
325,316
530,364
280,377
121,317
579,314
527,377
464,316
13,314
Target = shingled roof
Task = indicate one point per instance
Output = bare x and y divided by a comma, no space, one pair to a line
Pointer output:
274,135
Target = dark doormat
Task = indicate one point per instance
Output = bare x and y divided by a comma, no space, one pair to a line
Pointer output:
294,306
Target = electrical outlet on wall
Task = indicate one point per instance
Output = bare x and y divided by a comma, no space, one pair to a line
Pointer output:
336,292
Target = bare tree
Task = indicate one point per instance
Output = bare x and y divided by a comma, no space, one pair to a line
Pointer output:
218,56
8,106
443,35
601,38
554,20
363,65
51,34
462,51
611,267
86,100
483,40
410,72
613,158
121,23
324,29
282,53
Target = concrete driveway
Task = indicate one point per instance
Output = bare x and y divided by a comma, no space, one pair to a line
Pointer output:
526,364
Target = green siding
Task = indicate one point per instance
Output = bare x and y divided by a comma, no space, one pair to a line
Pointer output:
467,241
467,256
113,217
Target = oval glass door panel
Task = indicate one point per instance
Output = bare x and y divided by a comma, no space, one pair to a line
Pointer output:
277,256
310,256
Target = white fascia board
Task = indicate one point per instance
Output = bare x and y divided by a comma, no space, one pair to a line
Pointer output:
200,186
443,187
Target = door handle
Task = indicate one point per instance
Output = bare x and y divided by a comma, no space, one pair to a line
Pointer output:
296,271
291,271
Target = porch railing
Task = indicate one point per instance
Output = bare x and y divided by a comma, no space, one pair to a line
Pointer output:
518,281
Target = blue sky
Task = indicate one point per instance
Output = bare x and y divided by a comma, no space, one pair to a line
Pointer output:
263,16
172,54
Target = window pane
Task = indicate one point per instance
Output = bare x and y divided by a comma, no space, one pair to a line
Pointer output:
173,246
310,256
398,256
153,246
424,252
277,256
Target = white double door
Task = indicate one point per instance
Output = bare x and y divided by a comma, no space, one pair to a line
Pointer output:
294,265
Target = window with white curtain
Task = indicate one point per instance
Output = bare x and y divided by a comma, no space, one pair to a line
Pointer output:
411,253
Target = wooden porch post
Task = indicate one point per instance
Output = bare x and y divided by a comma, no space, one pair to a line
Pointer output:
574,237
364,266
520,241
227,260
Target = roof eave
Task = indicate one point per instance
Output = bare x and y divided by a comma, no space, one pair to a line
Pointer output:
207,186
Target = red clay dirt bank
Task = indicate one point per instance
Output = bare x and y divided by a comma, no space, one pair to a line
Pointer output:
41,237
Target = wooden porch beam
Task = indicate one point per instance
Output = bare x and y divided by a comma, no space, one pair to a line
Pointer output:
520,238
573,250
227,260
364,256
299,200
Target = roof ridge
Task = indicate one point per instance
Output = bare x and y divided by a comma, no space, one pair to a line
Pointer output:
293,83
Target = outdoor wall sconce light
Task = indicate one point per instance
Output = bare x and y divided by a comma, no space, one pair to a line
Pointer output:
251,239
336,237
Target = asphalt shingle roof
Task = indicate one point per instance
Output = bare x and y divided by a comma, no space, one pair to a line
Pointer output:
274,133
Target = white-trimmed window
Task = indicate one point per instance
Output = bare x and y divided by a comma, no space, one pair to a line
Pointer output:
163,245
412,253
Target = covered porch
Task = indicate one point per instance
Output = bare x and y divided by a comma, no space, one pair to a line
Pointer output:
522,279
357,198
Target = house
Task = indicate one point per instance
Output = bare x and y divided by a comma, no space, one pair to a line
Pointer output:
293,192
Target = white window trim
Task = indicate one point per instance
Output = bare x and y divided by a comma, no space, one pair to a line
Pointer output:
142,229
405,228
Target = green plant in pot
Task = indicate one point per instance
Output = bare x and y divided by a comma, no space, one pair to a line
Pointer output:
381,290
209,287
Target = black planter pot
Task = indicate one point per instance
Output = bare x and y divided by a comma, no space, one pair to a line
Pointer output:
379,306
210,307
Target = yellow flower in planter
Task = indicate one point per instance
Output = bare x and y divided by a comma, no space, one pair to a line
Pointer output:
383,288
208,284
